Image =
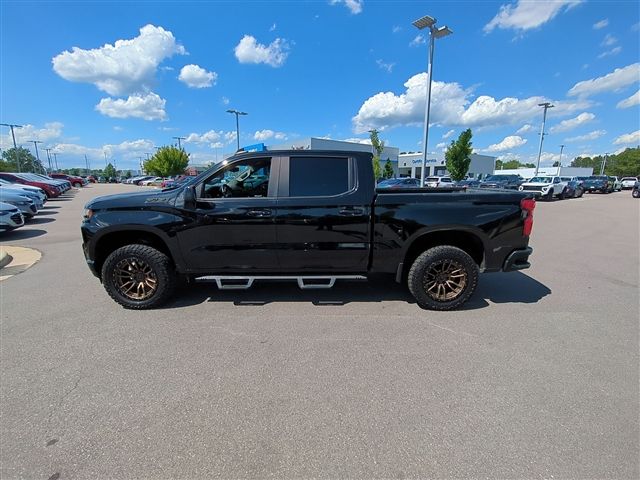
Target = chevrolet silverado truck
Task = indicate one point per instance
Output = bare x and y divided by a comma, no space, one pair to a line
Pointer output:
313,217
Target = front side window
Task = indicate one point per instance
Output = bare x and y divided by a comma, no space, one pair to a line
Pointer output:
318,176
244,179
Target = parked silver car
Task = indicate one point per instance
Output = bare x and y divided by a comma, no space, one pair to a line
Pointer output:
10,217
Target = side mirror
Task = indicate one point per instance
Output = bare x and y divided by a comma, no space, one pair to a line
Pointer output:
190,198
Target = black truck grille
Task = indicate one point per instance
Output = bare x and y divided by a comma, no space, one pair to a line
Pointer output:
17,218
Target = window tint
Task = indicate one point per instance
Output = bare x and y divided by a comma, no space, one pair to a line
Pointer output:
318,176
248,178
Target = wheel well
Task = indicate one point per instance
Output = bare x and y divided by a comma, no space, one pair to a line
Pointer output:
465,241
112,241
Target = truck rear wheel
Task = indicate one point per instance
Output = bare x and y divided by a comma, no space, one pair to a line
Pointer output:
443,278
138,276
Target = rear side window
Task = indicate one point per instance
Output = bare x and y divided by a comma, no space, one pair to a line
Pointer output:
318,176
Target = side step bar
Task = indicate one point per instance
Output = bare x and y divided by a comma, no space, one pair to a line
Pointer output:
305,282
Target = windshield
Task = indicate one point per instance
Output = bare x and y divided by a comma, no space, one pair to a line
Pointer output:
541,180
495,178
431,179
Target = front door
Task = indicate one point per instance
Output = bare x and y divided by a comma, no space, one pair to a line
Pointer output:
323,218
234,230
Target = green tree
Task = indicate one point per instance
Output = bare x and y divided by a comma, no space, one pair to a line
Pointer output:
128,174
378,146
388,169
458,155
110,171
28,163
624,164
168,160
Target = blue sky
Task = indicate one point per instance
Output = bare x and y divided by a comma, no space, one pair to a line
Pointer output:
123,77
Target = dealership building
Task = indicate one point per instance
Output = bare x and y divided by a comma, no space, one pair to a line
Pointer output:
548,172
410,165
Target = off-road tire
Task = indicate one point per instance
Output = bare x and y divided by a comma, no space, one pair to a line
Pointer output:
548,197
160,265
635,194
422,265
563,194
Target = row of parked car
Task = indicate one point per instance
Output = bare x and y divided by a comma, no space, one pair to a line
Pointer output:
153,181
22,195
545,186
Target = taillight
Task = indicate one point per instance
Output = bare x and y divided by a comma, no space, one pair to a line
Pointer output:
527,205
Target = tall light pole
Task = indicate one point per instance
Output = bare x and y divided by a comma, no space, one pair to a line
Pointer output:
48,150
434,33
237,113
180,138
560,161
604,163
35,143
546,106
13,135
55,157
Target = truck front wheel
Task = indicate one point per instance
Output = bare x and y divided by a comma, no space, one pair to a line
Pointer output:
138,276
443,278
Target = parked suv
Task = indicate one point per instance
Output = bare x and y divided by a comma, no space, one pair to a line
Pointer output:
75,181
628,182
438,182
597,183
502,181
546,187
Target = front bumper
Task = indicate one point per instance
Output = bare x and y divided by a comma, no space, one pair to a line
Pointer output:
517,260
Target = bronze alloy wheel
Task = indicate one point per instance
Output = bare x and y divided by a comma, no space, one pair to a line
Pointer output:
135,279
445,280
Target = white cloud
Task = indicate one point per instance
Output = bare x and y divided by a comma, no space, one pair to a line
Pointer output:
526,128
587,137
118,128
225,101
127,66
207,137
609,40
51,131
448,134
601,24
262,135
396,29
230,137
441,145
418,40
525,15
280,136
195,76
610,53
572,123
149,107
619,78
249,50
508,143
451,105
354,6
128,149
385,66
632,138
273,27
632,101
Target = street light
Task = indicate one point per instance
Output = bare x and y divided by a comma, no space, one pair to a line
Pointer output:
35,143
434,32
237,113
180,138
560,161
546,106
13,135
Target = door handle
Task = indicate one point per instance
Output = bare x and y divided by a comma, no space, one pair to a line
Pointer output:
350,212
260,213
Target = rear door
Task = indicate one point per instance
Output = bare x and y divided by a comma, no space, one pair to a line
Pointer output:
322,222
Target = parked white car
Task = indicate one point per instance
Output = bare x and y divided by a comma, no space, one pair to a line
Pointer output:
151,180
545,187
628,182
10,217
438,182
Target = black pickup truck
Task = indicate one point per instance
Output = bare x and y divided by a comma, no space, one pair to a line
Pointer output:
310,216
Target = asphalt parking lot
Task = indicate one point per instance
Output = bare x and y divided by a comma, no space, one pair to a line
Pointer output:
537,377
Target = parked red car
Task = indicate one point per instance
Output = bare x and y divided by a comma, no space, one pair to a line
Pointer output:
75,181
49,189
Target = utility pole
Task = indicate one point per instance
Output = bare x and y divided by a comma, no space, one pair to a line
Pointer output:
142,164
86,164
13,135
545,106
49,159
35,143
180,138
604,164
55,156
237,114
560,161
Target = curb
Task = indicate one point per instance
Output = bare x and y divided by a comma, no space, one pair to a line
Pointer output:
15,260
5,259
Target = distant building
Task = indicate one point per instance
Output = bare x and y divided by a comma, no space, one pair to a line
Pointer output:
548,171
410,165
196,169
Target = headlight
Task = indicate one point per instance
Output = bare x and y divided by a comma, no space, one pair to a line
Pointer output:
88,213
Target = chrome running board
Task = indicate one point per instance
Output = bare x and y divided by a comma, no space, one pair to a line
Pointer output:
305,282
